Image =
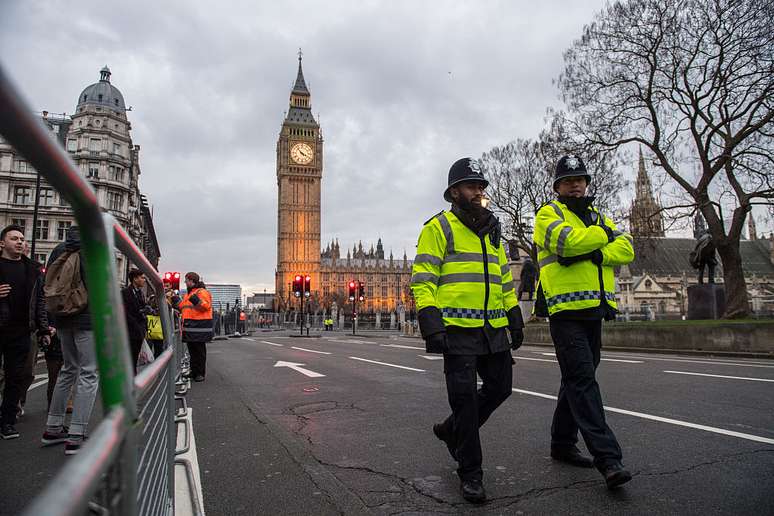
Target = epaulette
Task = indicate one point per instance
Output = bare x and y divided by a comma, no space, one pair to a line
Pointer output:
434,216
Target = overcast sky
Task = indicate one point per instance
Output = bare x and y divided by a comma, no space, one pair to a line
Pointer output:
402,90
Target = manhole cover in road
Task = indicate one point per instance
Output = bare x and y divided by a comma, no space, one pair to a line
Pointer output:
311,389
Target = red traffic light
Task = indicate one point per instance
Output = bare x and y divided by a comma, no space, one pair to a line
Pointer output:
298,277
173,279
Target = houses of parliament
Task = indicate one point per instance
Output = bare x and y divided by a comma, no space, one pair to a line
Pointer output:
299,249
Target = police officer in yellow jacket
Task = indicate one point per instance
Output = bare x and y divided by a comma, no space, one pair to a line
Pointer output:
577,249
465,299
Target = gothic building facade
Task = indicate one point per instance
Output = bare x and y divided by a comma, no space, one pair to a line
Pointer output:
656,283
299,250
97,137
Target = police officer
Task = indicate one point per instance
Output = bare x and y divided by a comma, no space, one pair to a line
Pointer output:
465,299
577,249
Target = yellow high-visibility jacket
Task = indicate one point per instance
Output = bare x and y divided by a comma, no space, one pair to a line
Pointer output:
561,233
466,277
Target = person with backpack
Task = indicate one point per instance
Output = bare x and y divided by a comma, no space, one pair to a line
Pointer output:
67,303
18,277
196,311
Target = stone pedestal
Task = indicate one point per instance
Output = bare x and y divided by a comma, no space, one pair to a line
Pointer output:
706,301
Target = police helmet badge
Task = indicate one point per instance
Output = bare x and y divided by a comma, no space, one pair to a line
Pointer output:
474,166
572,162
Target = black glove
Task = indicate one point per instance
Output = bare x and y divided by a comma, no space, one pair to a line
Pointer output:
517,338
610,234
596,257
194,299
436,343
566,261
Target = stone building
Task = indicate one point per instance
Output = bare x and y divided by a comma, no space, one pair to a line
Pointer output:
98,138
299,250
656,283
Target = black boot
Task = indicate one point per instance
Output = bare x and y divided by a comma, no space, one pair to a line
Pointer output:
615,475
473,491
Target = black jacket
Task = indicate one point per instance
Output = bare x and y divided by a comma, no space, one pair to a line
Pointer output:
135,309
37,304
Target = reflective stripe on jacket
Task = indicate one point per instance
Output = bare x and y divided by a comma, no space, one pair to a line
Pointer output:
464,276
561,233
197,319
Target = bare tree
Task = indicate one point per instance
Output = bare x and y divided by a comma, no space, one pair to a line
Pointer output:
693,80
521,175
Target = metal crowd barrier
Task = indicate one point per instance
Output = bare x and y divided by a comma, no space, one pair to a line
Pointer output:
126,467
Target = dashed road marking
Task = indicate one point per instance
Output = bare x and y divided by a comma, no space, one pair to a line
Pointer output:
667,420
536,359
722,376
312,350
272,343
389,365
401,346
622,360
689,361
431,357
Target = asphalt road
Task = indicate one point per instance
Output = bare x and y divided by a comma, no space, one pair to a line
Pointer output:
351,432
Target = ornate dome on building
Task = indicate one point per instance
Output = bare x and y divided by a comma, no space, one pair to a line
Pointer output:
102,93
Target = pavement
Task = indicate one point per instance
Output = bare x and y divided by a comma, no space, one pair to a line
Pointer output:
342,425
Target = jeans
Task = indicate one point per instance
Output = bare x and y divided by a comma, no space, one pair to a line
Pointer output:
578,344
471,406
15,348
80,364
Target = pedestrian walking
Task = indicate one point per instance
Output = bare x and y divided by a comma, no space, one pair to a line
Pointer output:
465,299
67,303
577,249
527,278
196,311
136,310
18,278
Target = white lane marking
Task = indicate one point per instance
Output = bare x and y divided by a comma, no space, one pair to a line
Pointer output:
297,367
660,419
272,343
711,362
39,376
722,376
311,350
536,359
430,357
38,384
389,365
621,360
401,346
546,354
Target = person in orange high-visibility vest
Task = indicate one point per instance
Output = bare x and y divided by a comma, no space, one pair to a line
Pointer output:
196,312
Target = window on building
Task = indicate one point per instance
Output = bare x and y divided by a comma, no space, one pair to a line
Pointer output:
115,201
41,258
46,197
61,229
115,173
648,283
93,170
116,149
41,230
20,165
62,201
22,195
72,145
22,223
384,291
95,145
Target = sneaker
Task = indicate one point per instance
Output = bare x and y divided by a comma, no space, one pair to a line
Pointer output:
199,378
8,432
50,438
73,444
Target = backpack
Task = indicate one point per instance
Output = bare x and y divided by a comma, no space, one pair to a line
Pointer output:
65,291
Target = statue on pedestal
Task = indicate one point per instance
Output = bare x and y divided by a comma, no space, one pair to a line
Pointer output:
703,255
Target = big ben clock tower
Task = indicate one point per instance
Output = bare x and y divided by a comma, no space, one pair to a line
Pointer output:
299,173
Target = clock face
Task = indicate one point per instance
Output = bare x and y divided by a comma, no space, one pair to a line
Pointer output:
302,153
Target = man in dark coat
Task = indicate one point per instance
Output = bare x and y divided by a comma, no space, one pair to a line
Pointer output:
136,310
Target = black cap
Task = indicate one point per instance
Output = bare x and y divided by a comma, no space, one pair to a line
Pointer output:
570,166
465,169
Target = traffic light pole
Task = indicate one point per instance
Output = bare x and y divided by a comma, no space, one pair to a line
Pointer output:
302,311
354,315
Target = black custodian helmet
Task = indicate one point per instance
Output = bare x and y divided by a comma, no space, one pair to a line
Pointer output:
465,169
570,166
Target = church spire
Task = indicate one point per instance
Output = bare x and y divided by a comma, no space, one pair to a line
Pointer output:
300,87
646,219
300,96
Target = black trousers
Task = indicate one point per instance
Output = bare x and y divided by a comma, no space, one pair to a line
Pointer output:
15,348
135,345
471,406
578,344
198,352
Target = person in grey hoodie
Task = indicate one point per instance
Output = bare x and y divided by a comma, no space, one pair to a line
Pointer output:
80,365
